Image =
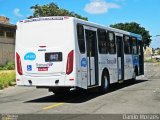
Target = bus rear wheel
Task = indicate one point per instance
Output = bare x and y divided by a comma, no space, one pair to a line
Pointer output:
105,83
133,80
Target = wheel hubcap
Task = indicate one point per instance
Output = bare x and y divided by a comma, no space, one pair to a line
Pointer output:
134,75
106,82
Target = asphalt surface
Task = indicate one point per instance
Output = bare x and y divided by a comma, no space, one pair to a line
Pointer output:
142,97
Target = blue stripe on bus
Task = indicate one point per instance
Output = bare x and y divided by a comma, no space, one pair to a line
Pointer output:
135,59
136,35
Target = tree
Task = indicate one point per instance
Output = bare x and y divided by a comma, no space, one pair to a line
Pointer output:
52,9
158,52
135,28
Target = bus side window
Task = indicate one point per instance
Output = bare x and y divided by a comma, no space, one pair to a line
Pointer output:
112,45
134,45
127,45
102,41
138,47
80,35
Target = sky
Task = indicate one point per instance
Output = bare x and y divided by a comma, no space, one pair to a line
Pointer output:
105,12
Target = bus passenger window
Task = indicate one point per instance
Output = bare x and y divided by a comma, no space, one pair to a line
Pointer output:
138,47
134,45
90,38
112,46
80,35
102,41
127,45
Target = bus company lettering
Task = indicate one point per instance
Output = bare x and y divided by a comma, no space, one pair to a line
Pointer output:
42,19
111,61
44,65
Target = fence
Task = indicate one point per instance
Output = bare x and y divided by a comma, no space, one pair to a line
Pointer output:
7,50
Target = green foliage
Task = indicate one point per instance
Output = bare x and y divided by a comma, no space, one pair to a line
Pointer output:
7,78
158,52
135,28
52,9
10,65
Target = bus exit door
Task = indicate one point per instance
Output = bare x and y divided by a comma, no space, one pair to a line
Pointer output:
120,57
92,57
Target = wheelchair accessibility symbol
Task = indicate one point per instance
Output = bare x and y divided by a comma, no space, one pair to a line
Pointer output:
29,67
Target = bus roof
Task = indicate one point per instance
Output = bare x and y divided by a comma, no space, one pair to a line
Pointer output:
139,37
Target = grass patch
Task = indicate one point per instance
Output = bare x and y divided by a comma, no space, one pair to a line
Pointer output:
7,78
158,63
10,65
153,60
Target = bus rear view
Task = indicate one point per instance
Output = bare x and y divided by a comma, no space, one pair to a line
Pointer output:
45,53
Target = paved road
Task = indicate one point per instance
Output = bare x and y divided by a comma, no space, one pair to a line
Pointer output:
141,97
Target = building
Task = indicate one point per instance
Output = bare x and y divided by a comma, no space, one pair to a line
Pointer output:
156,51
148,53
7,40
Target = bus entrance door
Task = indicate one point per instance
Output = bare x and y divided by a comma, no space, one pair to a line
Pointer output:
120,58
92,57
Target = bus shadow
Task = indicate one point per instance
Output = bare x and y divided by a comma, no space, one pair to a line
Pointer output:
127,83
80,96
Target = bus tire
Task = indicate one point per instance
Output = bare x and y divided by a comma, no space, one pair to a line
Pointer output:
134,76
105,83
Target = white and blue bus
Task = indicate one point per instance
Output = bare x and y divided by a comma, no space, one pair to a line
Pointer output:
60,53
